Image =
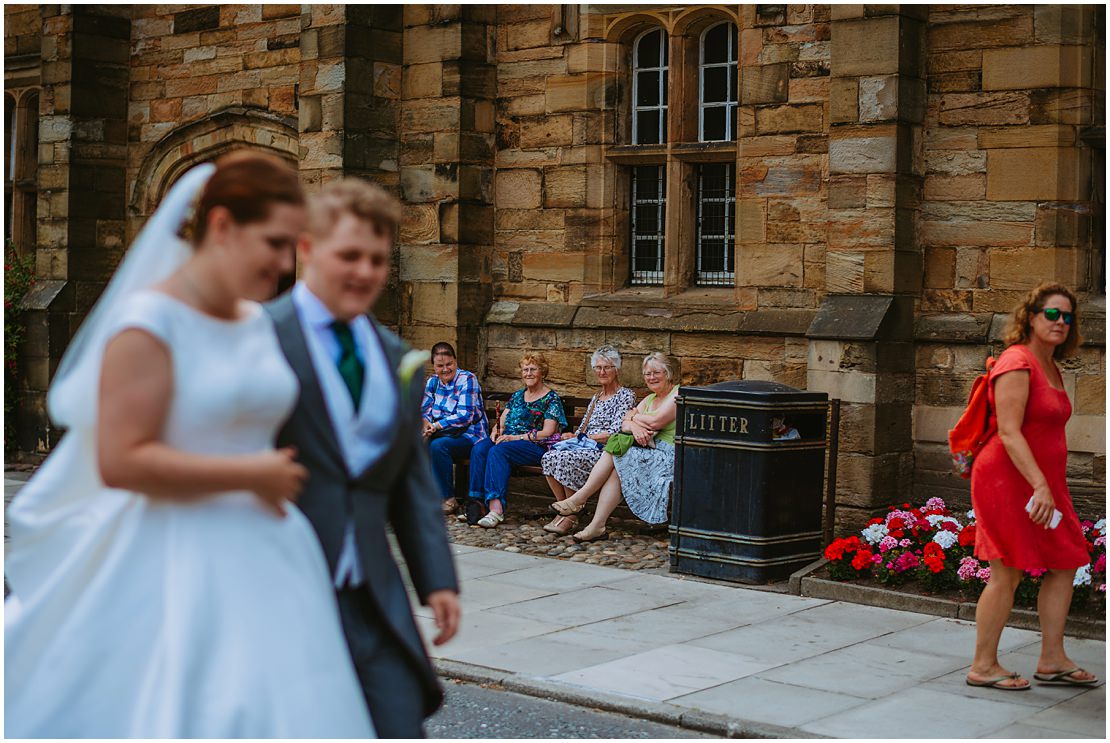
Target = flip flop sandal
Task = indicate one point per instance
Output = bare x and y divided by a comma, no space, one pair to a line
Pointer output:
490,520
996,683
1065,678
581,540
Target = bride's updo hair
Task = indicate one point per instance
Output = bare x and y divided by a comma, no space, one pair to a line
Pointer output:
246,183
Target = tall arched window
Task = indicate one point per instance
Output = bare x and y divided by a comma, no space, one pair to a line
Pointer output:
717,73
649,88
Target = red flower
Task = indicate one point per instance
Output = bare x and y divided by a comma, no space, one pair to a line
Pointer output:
896,523
948,526
967,536
934,549
876,520
934,564
862,560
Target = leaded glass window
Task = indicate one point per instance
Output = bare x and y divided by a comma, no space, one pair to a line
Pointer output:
649,88
649,211
716,224
717,84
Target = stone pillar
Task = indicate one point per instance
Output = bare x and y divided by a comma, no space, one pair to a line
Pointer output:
447,132
82,189
861,342
349,103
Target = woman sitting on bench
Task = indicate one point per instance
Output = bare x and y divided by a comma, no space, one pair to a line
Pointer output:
643,472
567,466
533,416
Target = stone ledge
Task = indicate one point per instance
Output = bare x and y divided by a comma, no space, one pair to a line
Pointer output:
820,588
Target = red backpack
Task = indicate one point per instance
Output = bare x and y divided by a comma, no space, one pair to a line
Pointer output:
975,426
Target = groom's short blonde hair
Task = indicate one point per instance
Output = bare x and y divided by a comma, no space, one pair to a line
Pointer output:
366,201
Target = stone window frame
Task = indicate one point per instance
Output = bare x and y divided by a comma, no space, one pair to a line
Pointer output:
21,167
679,156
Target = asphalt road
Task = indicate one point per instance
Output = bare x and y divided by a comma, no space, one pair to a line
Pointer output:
472,711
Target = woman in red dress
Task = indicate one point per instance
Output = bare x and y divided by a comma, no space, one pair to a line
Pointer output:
1025,463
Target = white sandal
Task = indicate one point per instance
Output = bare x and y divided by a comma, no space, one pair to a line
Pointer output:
490,520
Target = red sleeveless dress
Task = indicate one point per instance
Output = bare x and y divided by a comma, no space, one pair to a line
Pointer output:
999,493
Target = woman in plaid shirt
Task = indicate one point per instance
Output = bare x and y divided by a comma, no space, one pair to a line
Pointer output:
454,418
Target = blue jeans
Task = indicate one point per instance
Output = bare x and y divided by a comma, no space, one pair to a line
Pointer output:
444,452
490,466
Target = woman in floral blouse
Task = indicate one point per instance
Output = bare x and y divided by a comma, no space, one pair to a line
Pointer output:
533,416
566,469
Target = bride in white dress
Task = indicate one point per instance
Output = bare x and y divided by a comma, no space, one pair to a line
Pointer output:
163,585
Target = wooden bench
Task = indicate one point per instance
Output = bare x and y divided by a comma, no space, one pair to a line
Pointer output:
528,487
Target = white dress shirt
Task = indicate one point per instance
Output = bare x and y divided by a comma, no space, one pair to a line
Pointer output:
364,434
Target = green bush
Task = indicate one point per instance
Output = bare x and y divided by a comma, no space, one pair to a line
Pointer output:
18,279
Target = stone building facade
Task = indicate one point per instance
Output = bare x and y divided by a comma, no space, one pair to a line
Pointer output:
842,198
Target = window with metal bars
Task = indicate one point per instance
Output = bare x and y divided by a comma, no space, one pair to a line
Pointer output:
717,73
649,209
649,88
716,224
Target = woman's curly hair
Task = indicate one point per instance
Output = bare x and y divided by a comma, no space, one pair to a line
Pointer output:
1020,329
538,359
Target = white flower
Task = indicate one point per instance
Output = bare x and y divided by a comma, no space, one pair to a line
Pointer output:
971,515
1082,576
935,521
1100,525
946,539
410,362
874,533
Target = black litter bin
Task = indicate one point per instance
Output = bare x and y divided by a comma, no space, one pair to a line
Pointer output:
749,475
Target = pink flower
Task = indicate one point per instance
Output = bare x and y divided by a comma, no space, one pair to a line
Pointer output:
983,574
887,544
935,504
969,566
876,559
1100,565
1101,541
904,543
1036,572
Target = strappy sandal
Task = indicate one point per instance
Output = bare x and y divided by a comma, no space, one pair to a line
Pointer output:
560,507
490,520
561,525
450,505
603,535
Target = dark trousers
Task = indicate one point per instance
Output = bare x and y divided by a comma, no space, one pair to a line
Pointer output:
389,681
444,452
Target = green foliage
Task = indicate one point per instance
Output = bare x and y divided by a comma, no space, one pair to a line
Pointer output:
18,279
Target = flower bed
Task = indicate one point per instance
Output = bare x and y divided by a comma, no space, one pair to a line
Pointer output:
932,549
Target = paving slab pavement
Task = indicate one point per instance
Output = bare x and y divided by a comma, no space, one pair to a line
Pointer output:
745,661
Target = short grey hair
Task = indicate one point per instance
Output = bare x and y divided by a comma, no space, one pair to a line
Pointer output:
608,353
663,360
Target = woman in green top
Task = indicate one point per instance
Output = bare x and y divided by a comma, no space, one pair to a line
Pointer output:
642,475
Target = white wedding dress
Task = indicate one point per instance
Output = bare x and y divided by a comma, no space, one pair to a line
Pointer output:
140,617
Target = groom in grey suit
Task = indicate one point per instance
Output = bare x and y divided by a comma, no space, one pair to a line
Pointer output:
356,427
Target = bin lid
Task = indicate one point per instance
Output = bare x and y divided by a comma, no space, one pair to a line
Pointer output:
754,390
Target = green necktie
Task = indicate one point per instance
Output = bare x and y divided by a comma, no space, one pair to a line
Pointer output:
350,368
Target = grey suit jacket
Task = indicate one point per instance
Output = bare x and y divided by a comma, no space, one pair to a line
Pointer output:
398,489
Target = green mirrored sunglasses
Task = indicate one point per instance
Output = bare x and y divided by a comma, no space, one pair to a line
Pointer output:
1052,314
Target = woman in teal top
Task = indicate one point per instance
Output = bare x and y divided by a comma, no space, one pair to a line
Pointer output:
533,416
642,475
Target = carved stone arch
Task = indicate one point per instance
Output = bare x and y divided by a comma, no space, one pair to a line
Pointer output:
626,28
694,21
205,139
25,95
